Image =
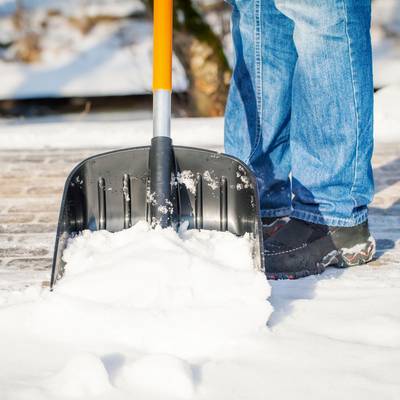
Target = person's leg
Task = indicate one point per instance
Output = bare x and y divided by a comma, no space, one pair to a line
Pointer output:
331,140
332,107
257,117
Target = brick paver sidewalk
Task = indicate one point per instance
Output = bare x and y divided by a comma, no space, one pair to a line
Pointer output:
31,184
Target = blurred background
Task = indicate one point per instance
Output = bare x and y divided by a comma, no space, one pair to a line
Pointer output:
94,56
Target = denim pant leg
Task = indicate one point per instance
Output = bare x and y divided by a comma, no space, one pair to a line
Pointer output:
257,117
332,108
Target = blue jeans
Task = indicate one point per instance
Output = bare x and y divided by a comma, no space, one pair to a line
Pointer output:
300,106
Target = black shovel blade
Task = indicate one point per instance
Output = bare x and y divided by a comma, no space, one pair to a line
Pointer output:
111,191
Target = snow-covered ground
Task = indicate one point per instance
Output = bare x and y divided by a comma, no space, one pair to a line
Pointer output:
159,315
136,315
75,133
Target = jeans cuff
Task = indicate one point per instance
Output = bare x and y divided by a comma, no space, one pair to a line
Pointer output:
356,219
277,212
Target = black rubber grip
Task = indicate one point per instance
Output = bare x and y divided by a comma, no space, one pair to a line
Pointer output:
160,164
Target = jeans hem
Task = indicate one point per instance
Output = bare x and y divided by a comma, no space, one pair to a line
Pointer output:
356,219
278,212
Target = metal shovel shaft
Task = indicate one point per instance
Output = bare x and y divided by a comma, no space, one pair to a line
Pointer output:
160,157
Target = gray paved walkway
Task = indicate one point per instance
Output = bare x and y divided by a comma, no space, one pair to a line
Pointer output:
31,184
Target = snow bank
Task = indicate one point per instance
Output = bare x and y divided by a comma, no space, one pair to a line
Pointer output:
197,288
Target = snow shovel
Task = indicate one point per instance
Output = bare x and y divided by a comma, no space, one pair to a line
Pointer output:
163,184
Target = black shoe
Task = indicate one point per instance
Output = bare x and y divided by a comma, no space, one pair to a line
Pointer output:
271,225
302,248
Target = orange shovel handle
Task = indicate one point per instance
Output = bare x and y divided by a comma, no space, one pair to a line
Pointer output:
162,49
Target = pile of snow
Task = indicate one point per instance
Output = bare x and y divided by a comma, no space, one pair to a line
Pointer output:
151,315
135,316
185,294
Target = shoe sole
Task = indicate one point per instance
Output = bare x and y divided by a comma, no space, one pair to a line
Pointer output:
342,258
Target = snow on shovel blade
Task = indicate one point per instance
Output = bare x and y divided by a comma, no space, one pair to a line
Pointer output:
112,191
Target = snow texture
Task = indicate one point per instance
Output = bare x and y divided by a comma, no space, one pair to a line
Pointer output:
152,314
135,316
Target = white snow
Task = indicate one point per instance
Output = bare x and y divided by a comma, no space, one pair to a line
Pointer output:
152,314
137,314
75,132
84,375
149,314
188,179
176,286
163,376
